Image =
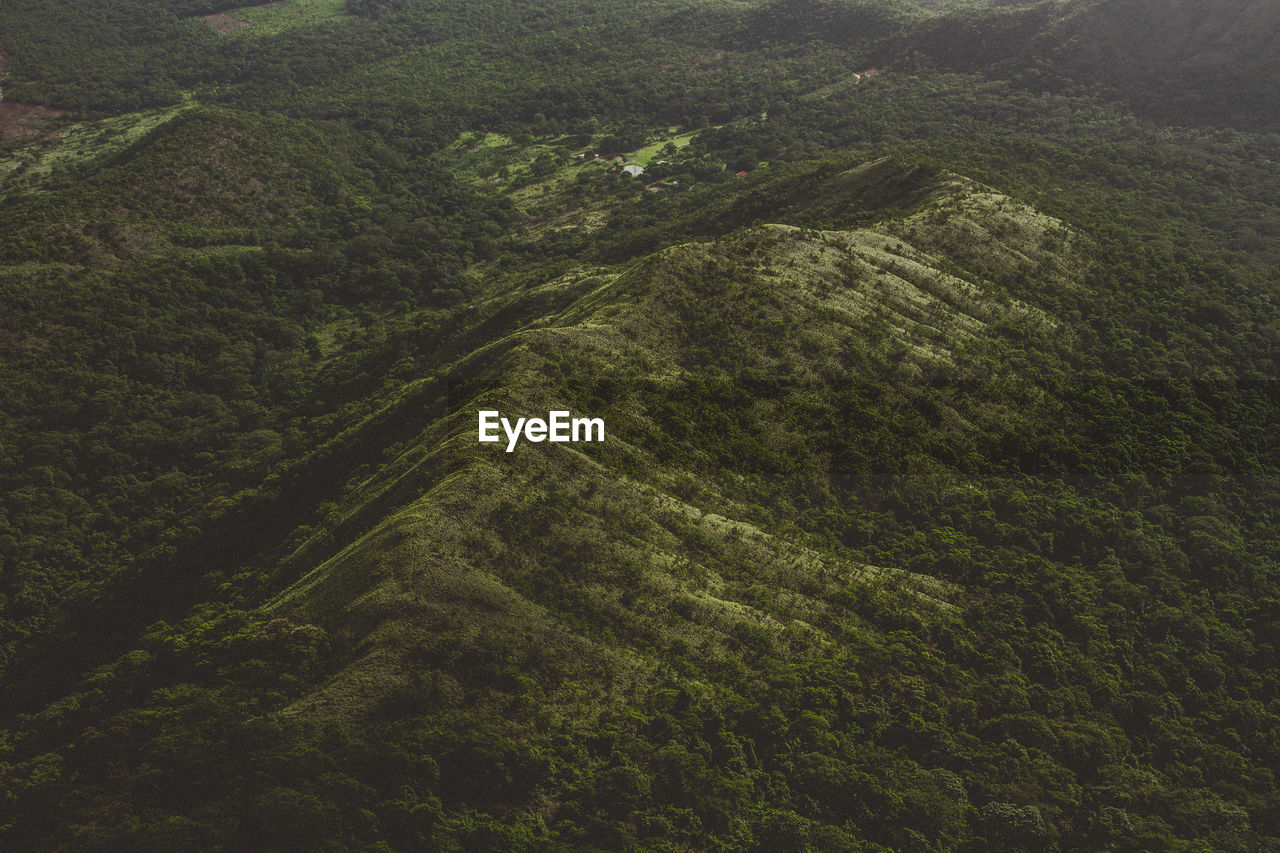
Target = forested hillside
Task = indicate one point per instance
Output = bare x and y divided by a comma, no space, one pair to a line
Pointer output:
936,345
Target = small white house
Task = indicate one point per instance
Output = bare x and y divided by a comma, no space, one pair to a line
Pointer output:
633,170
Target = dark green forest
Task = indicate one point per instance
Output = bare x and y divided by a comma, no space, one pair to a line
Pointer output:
937,345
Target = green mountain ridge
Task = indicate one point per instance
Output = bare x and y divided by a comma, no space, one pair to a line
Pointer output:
621,323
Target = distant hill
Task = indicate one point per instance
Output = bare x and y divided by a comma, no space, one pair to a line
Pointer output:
1183,60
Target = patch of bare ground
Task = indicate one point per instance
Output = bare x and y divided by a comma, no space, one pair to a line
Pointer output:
223,24
708,62
18,120
704,62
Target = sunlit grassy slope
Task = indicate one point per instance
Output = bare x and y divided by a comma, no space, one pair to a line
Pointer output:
78,144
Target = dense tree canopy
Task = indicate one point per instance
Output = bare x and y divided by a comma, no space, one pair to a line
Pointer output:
939,372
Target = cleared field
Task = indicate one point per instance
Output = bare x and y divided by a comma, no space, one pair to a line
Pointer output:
271,18
653,151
